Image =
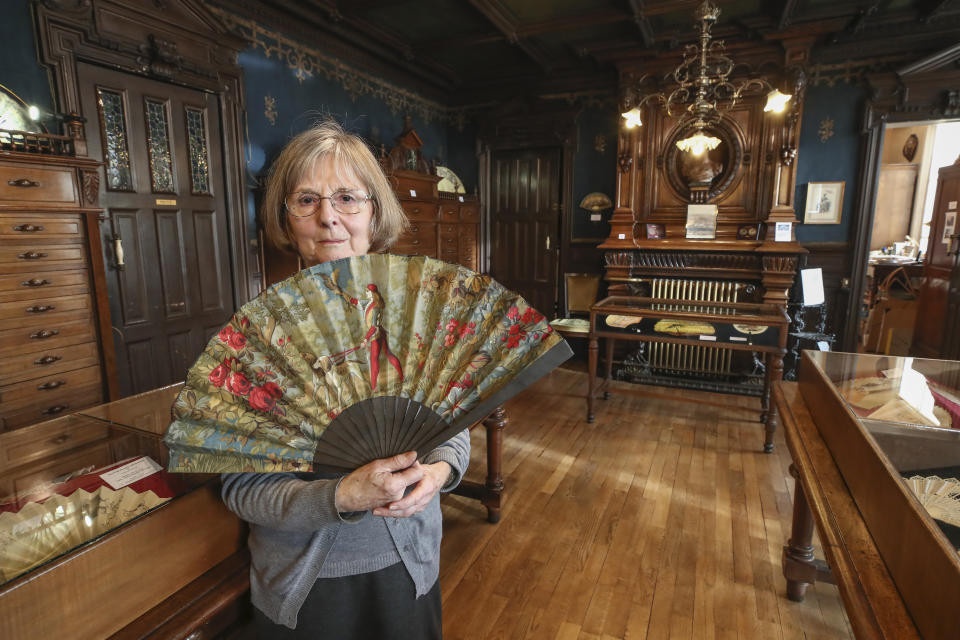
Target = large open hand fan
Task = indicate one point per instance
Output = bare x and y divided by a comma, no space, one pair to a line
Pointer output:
354,360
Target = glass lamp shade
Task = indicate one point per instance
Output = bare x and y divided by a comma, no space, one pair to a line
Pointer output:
777,101
698,143
633,118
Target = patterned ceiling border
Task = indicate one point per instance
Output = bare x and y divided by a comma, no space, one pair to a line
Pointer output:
850,71
307,62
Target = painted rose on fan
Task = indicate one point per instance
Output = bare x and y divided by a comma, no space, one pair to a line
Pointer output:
273,389
219,375
238,384
237,341
531,316
261,399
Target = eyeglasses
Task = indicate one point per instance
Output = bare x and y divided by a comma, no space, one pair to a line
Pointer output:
304,204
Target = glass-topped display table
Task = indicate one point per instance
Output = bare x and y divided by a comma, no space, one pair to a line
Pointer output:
95,534
697,329
875,442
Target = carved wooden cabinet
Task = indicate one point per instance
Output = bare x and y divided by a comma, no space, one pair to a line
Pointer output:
55,346
445,226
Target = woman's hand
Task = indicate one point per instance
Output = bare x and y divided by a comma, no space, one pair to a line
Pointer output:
434,477
379,483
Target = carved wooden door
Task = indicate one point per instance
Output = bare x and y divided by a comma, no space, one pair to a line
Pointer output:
524,218
165,240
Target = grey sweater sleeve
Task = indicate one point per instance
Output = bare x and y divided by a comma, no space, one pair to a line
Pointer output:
283,501
456,453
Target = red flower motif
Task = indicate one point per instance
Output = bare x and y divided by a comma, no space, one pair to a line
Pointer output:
237,341
528,315
244,322
219,375
225,333
353,301
238,384
261,399
513,313
332,415
467,329
452,325
449,339
273,389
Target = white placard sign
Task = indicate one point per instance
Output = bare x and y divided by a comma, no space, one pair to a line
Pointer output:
621,236
413,193
782,233
812,282
823,345
460,198
594,217
130,472
949,227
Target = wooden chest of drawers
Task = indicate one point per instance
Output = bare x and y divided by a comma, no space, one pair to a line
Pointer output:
442,225
53,305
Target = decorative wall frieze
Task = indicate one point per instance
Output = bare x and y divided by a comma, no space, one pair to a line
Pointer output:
851,72
308,62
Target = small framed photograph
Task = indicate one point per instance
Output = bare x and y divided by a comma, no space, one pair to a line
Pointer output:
748,231
702,221
824,203
656,231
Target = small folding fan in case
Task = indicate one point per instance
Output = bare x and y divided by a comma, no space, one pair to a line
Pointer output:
354,360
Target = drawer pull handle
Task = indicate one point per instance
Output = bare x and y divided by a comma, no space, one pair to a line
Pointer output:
63,437
40,308
28,228
415,241
53,384
32,255
55,409
44,333
35,282
45,360
23,183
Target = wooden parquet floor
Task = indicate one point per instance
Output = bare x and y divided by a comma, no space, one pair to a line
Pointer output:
663,520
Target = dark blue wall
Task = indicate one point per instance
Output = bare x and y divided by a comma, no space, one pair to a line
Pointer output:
594,170
830,160
19,70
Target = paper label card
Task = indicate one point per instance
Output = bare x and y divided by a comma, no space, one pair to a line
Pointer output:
413,193
949,227
621,236
812,282
460,198
594,217
782,232
952,204
709,338
129,473
823,345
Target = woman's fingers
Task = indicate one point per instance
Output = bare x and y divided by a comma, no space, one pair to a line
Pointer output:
378,482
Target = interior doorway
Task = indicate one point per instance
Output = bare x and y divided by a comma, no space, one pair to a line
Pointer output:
525,196
165,238
894,320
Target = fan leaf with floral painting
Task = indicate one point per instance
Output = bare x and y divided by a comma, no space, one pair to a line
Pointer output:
353,360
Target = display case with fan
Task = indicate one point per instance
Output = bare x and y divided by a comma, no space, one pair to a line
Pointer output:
97,538
890,427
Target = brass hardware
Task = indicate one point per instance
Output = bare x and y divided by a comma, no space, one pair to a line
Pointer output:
41,308
177,306
53,384
32,255
45,360
118,252
34,282
60,439
23,183
28,228
548,242
55,409
44,333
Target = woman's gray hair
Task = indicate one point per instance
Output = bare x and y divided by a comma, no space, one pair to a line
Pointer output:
299,158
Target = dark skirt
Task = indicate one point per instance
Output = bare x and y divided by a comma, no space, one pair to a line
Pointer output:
380,605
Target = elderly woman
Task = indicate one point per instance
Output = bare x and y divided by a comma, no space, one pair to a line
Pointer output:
353,556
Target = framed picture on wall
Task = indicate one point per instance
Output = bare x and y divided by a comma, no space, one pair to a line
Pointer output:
824,203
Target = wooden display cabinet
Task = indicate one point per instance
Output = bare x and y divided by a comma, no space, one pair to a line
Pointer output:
859,428
172,566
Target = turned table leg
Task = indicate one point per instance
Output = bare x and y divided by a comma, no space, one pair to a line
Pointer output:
494,424
770,417
591,375
800,568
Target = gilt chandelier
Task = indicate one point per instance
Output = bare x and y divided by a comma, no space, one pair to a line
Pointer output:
703,90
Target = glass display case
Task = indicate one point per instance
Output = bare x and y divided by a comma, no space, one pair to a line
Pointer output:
892,427
88,511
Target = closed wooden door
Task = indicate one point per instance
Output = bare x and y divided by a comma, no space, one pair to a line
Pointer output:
525,214
165,237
